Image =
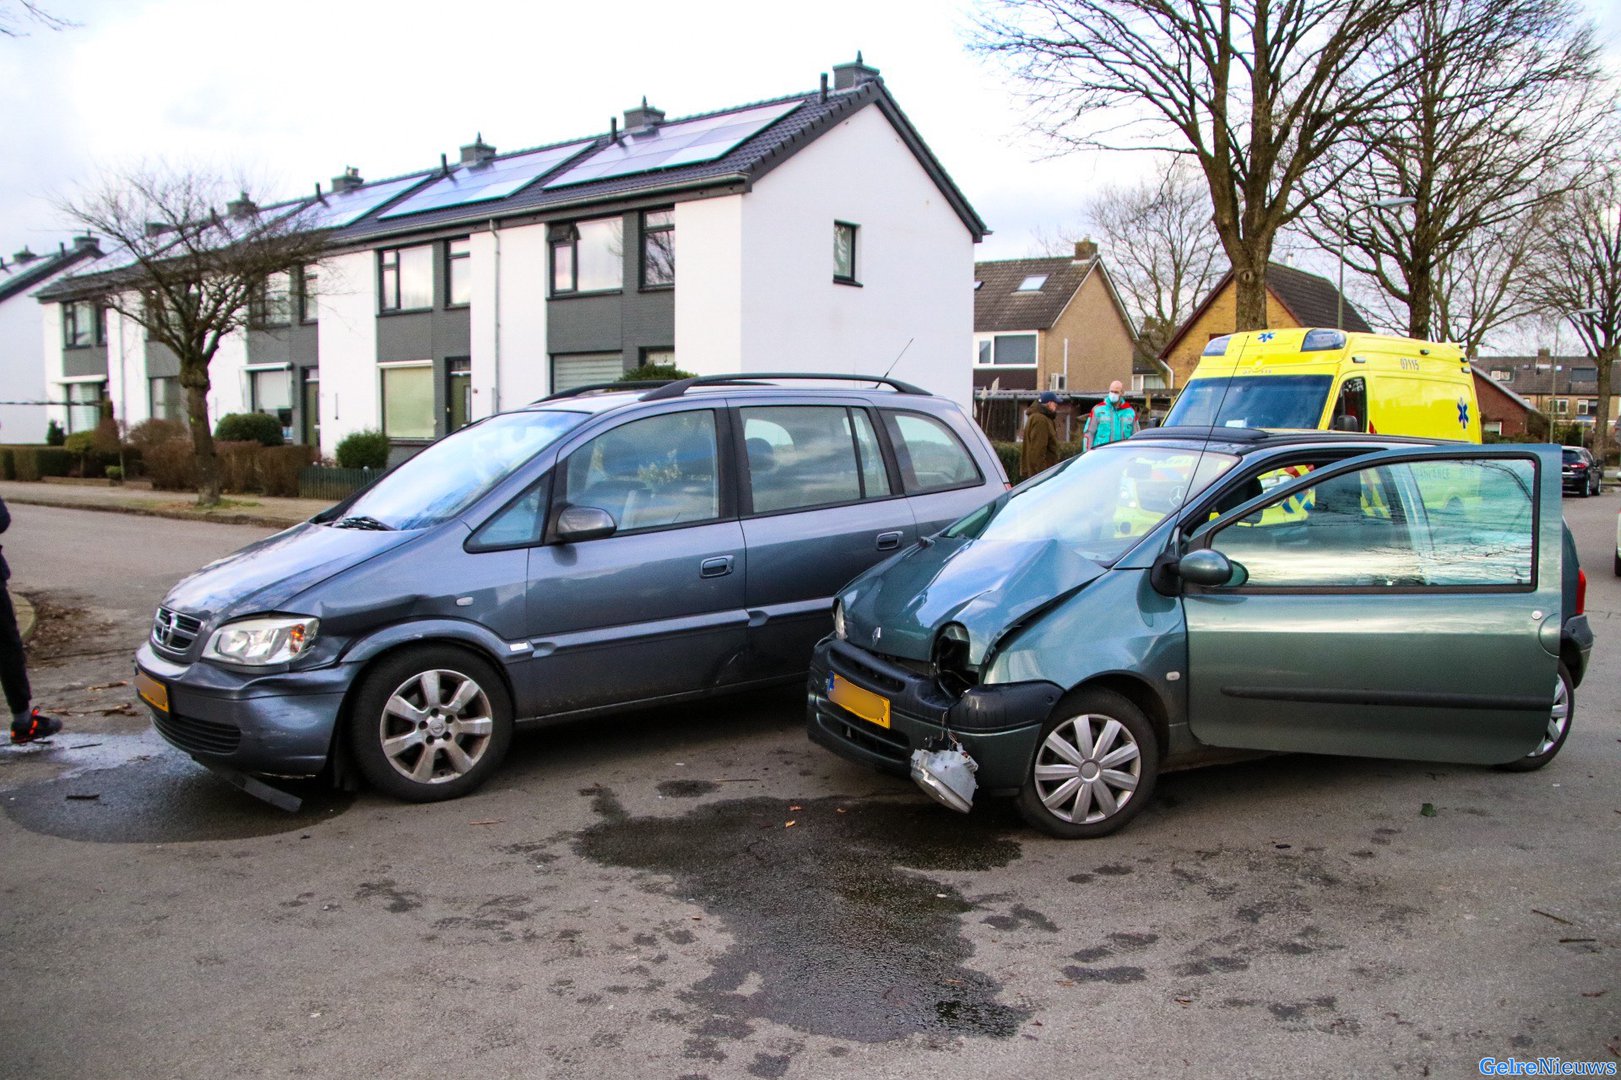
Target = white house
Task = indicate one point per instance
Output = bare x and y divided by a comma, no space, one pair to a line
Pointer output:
810,233
23,386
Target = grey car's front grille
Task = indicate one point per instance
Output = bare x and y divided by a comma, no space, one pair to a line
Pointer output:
197,736
174,632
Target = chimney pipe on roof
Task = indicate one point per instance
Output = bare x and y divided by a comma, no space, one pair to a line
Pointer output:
24,257
348,181
478,151
643,116
87,242
1086,250
613,129
850,76
241,206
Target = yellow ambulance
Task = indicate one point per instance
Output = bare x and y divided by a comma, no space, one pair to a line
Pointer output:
1335,380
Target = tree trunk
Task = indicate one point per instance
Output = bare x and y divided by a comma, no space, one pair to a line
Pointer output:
202,438
1421,304
1601,422
1250,283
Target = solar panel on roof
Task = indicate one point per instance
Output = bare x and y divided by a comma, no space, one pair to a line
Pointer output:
495,180
687,142
345,208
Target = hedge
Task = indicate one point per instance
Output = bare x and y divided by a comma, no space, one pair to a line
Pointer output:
258,427
35,462
1010,453
363,450
243,466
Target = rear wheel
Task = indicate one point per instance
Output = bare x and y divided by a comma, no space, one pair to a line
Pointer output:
431,723
1093,769
1553,737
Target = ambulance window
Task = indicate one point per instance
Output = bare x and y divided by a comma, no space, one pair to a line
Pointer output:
1351,410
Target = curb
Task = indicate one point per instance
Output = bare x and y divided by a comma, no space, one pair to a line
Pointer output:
221,518
25,615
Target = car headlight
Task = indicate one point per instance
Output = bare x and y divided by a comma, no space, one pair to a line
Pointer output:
257,642
838,619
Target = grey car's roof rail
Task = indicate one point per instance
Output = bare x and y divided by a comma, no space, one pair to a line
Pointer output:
755,378
1218,434
603,388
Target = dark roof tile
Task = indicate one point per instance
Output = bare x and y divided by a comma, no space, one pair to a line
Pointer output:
1000,308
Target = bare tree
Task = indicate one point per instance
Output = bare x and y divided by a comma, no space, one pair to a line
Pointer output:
187,273
1255,91
15,13
1501,96
1576,275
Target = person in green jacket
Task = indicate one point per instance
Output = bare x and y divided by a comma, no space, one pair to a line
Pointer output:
1112,419
1040,436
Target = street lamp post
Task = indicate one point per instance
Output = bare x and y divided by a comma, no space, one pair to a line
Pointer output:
1377,204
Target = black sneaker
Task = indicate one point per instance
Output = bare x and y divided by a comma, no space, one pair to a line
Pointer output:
37,726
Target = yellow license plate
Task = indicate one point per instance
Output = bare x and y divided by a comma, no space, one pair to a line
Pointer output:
852,698
152,692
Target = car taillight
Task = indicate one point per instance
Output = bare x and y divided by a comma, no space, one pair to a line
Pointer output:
1581,592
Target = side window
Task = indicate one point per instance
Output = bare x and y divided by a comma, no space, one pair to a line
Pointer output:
1480,521
650,473
516,525
811,455
1348,533
1351,407
930,455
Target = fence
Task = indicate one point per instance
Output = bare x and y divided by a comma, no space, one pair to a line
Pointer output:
325,482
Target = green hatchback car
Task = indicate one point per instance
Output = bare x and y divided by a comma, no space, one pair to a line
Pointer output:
1193,595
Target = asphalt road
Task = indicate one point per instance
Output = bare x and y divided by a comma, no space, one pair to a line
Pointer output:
698,892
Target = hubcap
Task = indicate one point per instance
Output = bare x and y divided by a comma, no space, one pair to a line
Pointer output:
1558,718
435,726
1088,768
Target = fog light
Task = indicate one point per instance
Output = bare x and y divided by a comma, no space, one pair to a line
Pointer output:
947,776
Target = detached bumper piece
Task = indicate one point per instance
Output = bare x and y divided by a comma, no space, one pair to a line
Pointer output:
946,776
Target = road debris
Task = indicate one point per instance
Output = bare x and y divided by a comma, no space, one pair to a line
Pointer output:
1550,915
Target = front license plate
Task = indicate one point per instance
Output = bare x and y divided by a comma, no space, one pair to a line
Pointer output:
864,703
152,692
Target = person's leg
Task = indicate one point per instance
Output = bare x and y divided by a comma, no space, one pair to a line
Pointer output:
13,673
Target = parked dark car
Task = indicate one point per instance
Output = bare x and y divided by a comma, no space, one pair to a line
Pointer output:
1195,595
589,552
1580,471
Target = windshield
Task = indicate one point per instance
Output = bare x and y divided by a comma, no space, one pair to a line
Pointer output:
1100,503
1256,401
448,476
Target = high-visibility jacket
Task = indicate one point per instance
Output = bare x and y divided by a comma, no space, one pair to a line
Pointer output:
1110,423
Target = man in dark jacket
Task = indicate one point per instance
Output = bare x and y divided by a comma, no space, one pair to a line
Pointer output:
27,724
1040,436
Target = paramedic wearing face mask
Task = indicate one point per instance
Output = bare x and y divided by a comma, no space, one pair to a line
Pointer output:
1112,419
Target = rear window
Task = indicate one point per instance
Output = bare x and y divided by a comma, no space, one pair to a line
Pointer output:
1571,456
930,455
1256,401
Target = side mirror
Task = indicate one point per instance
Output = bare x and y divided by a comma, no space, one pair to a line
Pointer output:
1210,568
579,523
1347,423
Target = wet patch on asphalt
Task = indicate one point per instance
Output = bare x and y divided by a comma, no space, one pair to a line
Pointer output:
687,789
161,798
836,932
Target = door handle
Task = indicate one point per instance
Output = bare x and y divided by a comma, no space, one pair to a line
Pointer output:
719,566
889,541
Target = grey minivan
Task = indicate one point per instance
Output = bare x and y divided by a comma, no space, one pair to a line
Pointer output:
592,551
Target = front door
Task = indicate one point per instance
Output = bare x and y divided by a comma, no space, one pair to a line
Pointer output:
1407,612
657,608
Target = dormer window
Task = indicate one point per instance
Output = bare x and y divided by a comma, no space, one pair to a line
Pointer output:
1033,283
977,284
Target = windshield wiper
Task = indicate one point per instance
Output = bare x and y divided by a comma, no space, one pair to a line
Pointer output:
361,521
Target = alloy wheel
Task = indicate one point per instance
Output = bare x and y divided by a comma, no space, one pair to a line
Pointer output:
435,726
1558,718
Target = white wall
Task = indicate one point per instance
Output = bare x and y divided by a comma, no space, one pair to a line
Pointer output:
914,260
511,374
348,348
22,368
709,288
51,339
126,370
227,378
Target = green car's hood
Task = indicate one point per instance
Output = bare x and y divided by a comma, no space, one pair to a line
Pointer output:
988,586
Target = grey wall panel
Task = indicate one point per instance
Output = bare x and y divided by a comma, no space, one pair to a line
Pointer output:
295,344
452,333
87,361
161,362
405,337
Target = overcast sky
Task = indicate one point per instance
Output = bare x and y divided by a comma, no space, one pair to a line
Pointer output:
295,90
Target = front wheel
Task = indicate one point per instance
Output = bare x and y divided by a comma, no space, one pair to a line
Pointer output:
1553,737
431,723
1093,769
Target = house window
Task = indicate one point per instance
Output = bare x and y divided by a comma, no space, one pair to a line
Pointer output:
1586,407
273,304
271,392
406,278
585,369
977,284
308,312
1492,427
84,405
1502,376
658,249
1033,283
83,324
588,256
311,398
844,252
408,400
163,398
1017,350
658,356
458,393
458,272
1561,406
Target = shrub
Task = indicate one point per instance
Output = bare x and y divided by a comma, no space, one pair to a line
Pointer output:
1009,453
279,467
261,428
54,435
36,462
8,466
79,443
363,450
172,465
238,464
149,433
650,372
115,473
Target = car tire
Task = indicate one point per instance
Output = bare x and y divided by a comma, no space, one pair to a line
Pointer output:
1559,719
1618,562
1096,732
430,723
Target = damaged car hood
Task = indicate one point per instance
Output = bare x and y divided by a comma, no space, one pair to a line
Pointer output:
987,586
